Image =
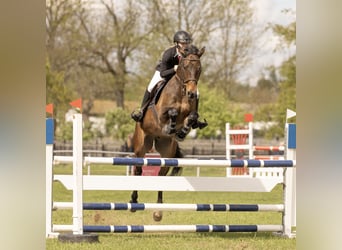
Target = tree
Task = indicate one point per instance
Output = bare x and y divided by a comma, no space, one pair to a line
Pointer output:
60,30
62,66
225,26
108,43
118,124
266,90
217,110
58,93
287,86
115,45
233,24
287,96
108,48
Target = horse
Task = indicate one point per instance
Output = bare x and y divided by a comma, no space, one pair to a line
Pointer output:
169,118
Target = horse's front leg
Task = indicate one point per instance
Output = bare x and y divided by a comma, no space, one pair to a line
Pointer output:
188,122
171,127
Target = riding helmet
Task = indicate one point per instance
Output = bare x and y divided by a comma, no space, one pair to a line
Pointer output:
182,36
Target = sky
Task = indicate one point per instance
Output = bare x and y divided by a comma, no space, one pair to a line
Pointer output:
269,11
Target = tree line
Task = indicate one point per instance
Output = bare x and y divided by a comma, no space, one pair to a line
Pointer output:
108,49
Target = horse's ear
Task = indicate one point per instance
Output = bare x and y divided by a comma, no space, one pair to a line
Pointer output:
200,53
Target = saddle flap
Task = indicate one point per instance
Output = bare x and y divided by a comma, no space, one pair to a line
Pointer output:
156,92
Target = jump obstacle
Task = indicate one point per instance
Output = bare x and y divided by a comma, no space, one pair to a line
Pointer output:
258,181
242,139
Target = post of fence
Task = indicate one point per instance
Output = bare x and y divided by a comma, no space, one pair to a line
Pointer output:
239,139
228,156
77,175
49,176
289,215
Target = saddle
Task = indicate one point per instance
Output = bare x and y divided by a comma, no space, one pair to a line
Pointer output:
156,92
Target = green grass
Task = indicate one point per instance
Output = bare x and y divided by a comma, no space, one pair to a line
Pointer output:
172,240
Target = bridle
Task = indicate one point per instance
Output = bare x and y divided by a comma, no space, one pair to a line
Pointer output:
186,81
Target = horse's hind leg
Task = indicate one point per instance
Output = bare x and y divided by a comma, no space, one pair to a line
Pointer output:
134,195
141,145
168,148
158,215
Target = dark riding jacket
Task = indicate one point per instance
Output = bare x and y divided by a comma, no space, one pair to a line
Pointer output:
166,65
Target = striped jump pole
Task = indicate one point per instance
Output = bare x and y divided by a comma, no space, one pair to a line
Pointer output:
176,207
182,228
174,162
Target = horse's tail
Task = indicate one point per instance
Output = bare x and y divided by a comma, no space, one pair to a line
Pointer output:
176,171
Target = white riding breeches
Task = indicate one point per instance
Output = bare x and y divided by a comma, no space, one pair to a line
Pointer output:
155,79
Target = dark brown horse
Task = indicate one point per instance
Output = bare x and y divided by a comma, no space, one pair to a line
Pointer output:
170,118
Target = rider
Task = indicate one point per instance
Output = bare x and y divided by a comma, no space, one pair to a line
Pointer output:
165,69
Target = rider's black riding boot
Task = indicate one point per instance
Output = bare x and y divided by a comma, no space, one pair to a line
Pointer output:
198,123
137,115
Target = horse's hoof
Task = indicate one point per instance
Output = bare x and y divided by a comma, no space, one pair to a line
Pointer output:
157,215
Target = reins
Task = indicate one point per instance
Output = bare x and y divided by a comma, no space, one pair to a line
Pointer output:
184,82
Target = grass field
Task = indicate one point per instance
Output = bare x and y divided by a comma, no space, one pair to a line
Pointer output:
172,240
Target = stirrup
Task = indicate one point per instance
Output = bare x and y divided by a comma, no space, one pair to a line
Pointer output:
137,115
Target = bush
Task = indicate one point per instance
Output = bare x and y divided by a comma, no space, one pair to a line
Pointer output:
119,124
